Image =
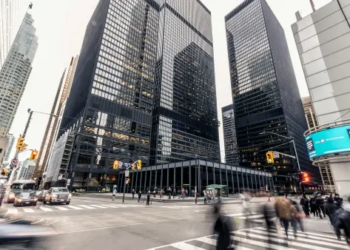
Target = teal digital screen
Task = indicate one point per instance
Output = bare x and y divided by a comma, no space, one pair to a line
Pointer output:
329,141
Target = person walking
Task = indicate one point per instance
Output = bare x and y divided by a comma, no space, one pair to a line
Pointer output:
161,192
169,193
223,227
182,193
133,193
343,221
338,200
313,206
148,197
299,216
285,212
320,206
304,202
114,192
140,194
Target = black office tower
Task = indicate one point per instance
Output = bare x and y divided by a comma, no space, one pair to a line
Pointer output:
185,124
265,94
112,91
230,137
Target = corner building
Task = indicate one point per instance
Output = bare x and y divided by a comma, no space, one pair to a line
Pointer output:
112,92
265,93
185,122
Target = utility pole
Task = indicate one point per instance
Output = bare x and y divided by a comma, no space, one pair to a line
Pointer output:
14,167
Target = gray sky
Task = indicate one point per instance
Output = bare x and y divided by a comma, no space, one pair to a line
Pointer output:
61,26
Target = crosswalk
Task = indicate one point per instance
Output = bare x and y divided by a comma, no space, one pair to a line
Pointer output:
258,238
44,208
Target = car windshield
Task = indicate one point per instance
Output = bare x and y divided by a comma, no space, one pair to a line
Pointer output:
26,195
60,190
16,186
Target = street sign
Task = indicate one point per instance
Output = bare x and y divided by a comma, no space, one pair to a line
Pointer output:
126,173
276,154
14,162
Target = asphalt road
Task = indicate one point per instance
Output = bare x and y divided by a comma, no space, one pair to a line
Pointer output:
92,223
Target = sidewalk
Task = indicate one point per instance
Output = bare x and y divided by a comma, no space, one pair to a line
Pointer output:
166,199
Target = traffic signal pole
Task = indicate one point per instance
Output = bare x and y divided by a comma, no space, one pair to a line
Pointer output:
15,168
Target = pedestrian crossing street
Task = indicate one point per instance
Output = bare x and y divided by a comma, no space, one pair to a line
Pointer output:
259,238
44,208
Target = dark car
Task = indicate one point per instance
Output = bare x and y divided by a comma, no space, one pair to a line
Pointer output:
25,198
58,195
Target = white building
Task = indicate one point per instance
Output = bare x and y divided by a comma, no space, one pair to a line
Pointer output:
323,42
26,170
9,148
15,72
11,16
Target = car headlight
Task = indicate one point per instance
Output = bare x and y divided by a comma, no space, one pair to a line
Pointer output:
18,200
35,199
12,195
70,196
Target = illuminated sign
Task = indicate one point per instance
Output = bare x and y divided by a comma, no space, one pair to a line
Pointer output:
329,141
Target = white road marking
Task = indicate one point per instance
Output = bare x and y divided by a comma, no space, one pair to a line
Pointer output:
213,242
185,246
74,207
46,209
12,211
84,206
61,208
28,210
98,206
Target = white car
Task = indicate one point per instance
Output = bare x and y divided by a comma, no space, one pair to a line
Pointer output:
58,195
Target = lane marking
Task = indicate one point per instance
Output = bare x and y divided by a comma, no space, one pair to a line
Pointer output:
61,208
84,206
74,207
185,246
46,209
98,206
12,211
213,242
28,210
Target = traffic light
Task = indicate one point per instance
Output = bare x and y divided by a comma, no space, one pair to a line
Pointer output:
269,157
139,164
3,171
304,177
20,143
115,164
33,155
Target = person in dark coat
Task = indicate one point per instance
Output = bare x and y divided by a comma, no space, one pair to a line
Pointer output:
337,200
223,227
331,208
304,202
148,197
343,222
140,194
320,206
313,206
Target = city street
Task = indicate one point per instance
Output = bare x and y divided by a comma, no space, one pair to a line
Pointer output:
92,223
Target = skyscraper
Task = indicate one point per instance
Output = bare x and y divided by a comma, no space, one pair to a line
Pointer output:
15,72
54,121
230,138
9,148
265,93
112,91
11,17
185,124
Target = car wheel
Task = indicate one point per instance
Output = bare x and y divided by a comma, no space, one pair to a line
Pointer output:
35,204
14,205
67,203
44,202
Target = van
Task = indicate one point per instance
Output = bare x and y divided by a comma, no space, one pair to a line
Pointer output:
19,186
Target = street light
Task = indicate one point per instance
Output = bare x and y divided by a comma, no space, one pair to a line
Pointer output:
285,137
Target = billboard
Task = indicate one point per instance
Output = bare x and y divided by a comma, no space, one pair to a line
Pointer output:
329,141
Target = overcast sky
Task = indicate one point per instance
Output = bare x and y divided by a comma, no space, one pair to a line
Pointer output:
61,26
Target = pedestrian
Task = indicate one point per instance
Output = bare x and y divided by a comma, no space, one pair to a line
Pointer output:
338,200
285,212
299,216
269,215
169,193
186,192
343,221
161,194
330,209
320,206
223,227
114,192
313,206
182,193
140,194
174,193
148,197
133,193
304,202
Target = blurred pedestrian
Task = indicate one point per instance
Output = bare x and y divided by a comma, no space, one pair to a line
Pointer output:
299,216
133,193
343,221
140,194
223,227
161,192
114,192
330,209
304,202
320,206
338,200
313,206
285,212
148,197
169,193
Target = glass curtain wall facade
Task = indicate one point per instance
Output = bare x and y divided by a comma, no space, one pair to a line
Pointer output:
230,139
183,174
265,93
185,122
112,91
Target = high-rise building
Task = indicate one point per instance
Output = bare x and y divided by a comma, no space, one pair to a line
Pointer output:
322,39
230,138
9,148
185,124
11,17
26,170
15,72
142,64
265,94
309,112
54,121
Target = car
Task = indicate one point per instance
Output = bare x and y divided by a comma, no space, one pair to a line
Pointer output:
58,195
41,195
17,187
25,198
